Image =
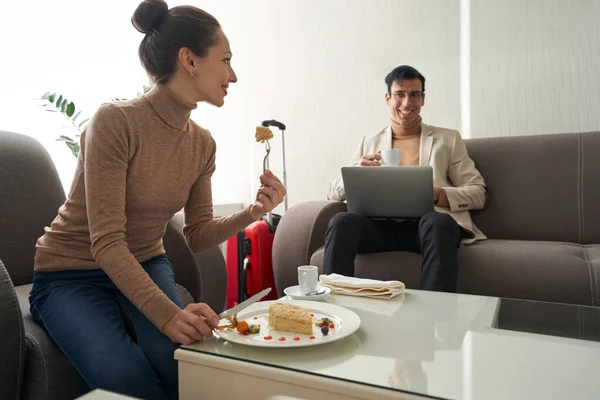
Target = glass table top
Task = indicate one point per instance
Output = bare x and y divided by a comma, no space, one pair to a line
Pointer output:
451,346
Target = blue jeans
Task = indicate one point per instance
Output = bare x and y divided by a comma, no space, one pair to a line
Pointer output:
106,338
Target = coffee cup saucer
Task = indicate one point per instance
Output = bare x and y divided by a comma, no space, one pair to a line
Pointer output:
295,294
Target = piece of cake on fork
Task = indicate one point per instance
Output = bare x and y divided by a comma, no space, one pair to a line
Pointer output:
290,318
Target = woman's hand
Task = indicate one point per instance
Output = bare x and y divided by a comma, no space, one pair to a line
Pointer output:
192,324
268,196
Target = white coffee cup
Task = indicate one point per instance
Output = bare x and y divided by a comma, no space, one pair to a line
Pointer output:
391,157
307,278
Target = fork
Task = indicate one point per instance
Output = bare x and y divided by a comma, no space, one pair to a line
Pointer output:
266,159
265,167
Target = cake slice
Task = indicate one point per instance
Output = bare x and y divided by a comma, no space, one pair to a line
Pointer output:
290,318
263,133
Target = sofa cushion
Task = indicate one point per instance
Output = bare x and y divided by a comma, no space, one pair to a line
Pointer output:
30,195
545,271
590,187
185,296
401,265
534,186
12,346
48,372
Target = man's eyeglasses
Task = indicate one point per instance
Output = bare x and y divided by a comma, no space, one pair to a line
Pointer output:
413,96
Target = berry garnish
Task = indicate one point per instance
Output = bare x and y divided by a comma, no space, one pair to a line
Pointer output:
331,326
281,339
268,337
321,322
312,337
325,330
296,338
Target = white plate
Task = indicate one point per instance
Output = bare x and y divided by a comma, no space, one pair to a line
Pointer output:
294,293
345,322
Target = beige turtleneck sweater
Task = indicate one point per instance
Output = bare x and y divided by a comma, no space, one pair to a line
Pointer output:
141,161
408,140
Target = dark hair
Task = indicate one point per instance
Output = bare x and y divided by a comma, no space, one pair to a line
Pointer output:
403,72
167,31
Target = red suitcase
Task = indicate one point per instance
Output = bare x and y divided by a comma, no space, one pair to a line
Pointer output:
249,253
253,246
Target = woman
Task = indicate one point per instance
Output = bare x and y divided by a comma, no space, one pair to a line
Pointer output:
104,289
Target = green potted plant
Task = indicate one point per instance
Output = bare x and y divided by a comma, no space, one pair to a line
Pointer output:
56,102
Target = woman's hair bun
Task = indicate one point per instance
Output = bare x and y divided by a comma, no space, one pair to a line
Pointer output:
149,15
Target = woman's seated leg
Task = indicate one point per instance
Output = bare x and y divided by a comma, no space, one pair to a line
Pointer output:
157,347
80,312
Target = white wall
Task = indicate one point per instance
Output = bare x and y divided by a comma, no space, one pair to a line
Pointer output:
88,51
324,65
535,67
317,66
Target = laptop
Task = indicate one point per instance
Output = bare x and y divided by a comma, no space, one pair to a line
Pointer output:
389,192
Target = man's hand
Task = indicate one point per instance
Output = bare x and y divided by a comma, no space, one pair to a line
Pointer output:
371,160
439,197
192,324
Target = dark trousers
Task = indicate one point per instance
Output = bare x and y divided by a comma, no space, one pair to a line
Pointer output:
436,236
92,322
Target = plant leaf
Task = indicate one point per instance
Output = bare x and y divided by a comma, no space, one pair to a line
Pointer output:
70,109
64,138
46,95
76,115
74,148
52,97
59,101
63,106
83,122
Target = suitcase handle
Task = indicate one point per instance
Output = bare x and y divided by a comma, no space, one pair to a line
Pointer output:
272,122
244,277
240,267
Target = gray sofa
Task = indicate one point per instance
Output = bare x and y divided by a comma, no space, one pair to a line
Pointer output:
31,366
543,225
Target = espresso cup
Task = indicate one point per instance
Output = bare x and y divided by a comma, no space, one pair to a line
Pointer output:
307,278
391,157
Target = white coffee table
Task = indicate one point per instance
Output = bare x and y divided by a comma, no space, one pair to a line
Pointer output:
417,345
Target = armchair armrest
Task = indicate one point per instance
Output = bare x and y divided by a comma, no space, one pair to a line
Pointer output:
300,232
12,345
203,274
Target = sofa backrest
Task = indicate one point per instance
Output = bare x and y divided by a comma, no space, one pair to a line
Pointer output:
543,187
30,195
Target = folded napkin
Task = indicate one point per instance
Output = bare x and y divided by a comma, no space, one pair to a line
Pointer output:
340,284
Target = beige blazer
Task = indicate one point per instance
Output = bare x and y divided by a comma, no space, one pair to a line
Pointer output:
444,150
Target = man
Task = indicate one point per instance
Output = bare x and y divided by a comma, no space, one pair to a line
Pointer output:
458,188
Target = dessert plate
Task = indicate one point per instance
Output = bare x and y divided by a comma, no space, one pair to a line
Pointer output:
345,322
